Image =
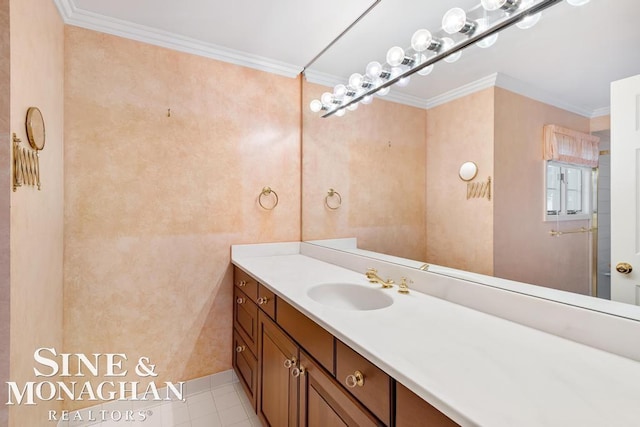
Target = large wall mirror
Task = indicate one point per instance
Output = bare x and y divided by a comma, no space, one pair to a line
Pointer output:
395,162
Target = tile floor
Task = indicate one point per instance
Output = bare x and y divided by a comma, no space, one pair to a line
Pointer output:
221,406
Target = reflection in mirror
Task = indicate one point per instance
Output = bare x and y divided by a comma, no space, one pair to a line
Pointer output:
468,171
397,159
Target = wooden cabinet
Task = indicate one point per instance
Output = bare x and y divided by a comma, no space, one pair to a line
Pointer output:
365,381
246,366
297,374
245,319
312,337
412,411
278,389
324,403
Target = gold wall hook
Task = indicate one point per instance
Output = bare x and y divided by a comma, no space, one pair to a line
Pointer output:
266,191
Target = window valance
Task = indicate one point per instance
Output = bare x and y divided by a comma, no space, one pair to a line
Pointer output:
570,146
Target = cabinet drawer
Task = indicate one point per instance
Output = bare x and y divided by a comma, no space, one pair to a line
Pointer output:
324,403
374,391
246,283
312,337
413,411
266,300
245,319
246,367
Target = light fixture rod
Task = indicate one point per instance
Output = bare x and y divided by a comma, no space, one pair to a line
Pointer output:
501,25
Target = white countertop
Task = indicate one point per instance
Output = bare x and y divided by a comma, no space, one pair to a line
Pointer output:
476,368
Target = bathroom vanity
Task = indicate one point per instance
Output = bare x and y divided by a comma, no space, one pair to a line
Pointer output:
315,343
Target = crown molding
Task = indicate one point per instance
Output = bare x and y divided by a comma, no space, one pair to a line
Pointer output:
72,15
462,91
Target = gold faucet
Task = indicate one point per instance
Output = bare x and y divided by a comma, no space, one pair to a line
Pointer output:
404,287
372,275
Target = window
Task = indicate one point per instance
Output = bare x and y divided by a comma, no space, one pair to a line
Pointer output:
568,191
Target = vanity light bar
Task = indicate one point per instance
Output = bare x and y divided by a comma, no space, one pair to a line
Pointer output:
515,11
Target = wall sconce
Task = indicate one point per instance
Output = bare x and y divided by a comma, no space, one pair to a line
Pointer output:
479,25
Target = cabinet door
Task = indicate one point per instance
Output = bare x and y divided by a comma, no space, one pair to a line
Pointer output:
278,397
246,367
245,319
323,403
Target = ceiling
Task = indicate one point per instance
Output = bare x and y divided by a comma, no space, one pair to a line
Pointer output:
568,59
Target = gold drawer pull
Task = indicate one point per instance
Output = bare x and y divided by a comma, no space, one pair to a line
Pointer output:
290,362
263,300
240,349
355,379
240,300
297,372
242,283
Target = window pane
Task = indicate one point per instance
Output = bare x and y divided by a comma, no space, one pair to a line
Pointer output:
553,189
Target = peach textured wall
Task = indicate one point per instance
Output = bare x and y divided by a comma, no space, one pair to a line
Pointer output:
460,231
153,203
523,248
37,77
5,205
600,123
375,158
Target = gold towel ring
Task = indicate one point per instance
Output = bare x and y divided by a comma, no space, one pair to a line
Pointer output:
331,194
265,192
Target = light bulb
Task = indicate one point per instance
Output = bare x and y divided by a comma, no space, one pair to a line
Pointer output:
373,70
353,107
327,98
315,105
421,40
577,2
447,44
339,91
367,99
403,81
340,112
507,5
395,56
529,20
455,21
487,41
383,91
355,81
426,70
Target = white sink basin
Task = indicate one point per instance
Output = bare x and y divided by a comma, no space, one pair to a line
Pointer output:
348,296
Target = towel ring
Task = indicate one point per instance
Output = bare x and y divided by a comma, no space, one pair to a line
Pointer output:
265,192
330,195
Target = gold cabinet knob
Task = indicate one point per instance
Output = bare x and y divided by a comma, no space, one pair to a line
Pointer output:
263,300
355,379
240,349
288,363
242,283
240,300
297,372
624,268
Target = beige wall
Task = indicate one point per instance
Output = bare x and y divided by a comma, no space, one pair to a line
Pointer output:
374,157
37,67
523,248
153,203
5,205
460,231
